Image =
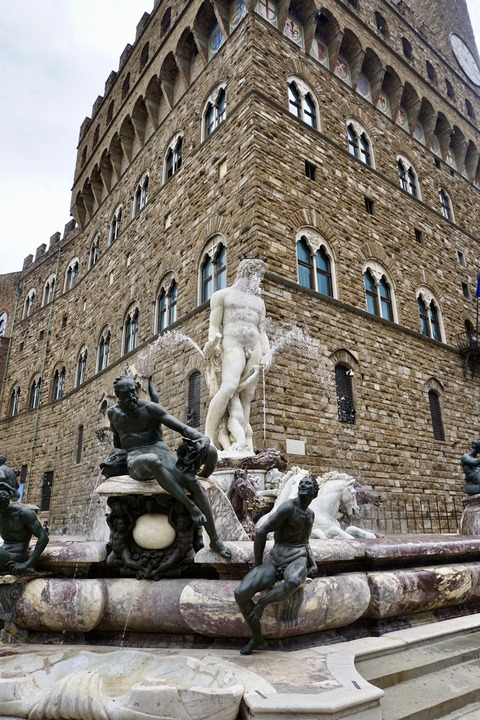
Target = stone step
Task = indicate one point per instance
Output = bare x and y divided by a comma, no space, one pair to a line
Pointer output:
385,671
433,695
469,712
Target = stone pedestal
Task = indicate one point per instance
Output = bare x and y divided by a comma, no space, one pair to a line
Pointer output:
470,520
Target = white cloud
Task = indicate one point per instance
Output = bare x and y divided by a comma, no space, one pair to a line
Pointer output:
55,56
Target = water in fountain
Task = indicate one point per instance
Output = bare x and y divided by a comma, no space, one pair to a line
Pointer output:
292,339
166,342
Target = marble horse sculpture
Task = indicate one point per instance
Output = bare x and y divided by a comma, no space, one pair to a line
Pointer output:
337,494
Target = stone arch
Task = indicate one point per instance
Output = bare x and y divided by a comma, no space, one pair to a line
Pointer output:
433,384
373,250
301,70
373,71
310,218
343,356
215,226
140,120
188,57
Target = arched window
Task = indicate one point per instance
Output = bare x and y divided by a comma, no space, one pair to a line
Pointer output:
445,205
215,111
3,323
81,369
371,293
58,388
110,112
359,144
15,401
125,85
345,396
407,48
71,275
141,196
193,409
314,264
301,102
167,306
469,108
78,456
29,302
378,292
213,272
429,315
35,390
304,264
131,328
103,350
352,141
115,225
386,309
94,252
381,23
144,55
48,290
47,488
432,75
407,176
173,158
436,415
166,19
365,154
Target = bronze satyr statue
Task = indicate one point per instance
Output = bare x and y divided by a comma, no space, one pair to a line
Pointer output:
288,565
17,525
471,467
137,429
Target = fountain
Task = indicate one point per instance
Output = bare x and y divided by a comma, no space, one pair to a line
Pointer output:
150,624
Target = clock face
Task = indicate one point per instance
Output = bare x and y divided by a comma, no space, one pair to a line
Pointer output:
465,58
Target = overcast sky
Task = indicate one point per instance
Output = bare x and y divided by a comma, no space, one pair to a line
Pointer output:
55,56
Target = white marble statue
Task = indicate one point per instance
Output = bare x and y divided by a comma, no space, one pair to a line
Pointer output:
337,490
237,351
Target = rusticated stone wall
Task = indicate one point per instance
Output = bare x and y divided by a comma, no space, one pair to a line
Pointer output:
258,206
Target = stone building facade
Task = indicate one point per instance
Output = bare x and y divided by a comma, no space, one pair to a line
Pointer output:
336,139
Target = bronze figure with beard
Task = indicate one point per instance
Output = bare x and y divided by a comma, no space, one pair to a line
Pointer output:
137,429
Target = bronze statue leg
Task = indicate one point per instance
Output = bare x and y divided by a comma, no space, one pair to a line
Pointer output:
201,500
260,578
294,575
143,467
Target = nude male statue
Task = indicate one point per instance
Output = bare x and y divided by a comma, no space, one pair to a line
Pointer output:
471,467
17,525
137,429
237,347
290,561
